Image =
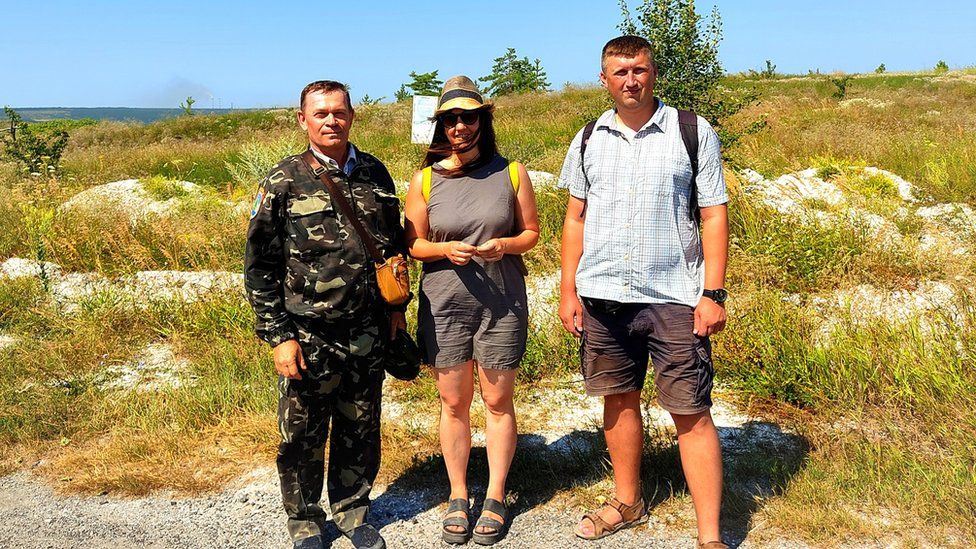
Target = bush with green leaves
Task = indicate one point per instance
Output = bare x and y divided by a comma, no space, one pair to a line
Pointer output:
510,75
941,67
881,69
37,153
689,70
841,84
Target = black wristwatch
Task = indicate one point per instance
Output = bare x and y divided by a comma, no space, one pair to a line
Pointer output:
718,296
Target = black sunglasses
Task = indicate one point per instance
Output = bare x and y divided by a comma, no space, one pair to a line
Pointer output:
467,117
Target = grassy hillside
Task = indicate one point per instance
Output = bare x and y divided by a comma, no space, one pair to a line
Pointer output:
817,342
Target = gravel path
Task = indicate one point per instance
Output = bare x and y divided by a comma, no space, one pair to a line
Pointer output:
250,515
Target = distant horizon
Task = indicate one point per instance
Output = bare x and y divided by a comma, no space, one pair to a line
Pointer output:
554,89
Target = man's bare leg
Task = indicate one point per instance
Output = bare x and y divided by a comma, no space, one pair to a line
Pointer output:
701,460
624,431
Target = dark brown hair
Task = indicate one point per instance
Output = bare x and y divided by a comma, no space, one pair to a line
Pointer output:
325,86
627,45
440,148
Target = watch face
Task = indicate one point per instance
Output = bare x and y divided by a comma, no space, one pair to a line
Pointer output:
718,296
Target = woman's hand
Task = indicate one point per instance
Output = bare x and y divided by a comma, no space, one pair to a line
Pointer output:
458,253
492,250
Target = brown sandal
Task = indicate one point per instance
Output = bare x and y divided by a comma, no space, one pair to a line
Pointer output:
632,516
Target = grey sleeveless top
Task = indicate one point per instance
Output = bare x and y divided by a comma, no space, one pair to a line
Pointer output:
474,208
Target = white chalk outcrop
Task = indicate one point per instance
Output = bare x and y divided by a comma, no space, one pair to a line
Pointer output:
155,368
137,203
67,290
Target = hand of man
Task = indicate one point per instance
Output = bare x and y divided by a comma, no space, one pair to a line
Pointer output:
571,314
398,321
288,359
459,253
709,318
492,250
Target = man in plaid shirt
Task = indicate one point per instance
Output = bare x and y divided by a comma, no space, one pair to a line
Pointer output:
639,281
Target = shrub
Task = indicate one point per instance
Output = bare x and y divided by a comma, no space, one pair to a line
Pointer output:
881,69
841,84
941,67
36,152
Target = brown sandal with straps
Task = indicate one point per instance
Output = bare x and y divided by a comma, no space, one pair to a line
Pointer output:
632,516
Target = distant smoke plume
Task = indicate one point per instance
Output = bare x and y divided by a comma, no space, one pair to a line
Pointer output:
174,92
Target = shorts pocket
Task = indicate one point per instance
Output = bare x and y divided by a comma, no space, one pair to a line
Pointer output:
582,355
705,370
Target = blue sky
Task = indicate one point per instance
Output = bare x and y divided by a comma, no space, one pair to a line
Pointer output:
248,54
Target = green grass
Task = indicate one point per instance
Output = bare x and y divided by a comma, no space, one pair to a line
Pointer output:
161,189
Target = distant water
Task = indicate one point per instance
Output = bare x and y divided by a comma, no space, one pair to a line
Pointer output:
107,113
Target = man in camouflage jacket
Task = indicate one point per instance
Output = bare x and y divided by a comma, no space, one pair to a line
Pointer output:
312,285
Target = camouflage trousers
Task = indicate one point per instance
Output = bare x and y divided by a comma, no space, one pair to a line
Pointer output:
339,392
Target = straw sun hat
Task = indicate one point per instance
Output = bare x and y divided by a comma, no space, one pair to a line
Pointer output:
461,93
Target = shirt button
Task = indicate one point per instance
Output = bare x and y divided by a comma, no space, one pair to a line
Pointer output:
626,256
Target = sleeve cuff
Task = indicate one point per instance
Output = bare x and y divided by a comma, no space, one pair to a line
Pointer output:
713,201
279,336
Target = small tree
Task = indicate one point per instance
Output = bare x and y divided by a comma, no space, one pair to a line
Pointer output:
511,75
425,83
689,71
368,101
187,105
401,94
37,153
841,84
941,67
769,71
881,69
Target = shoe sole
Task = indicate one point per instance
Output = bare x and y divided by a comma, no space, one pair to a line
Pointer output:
454,538
622,527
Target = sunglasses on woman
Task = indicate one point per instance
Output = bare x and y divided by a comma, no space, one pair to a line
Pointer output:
467,117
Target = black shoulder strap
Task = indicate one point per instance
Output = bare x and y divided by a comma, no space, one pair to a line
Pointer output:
688,124
587,132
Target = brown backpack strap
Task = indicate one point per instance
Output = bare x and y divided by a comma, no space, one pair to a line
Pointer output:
343,204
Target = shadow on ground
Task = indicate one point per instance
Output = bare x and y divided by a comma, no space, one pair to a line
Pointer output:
760,459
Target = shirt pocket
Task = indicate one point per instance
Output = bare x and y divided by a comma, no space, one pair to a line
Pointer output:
313,224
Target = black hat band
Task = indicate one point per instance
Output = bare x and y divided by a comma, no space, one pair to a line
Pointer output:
457,93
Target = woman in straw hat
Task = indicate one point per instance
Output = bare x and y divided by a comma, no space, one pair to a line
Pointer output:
470,215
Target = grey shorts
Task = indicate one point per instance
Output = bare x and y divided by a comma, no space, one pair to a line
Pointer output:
618,339
496,340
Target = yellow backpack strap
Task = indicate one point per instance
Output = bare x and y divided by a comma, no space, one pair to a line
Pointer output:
425,182
513,174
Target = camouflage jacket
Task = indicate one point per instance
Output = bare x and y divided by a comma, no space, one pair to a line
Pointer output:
304,259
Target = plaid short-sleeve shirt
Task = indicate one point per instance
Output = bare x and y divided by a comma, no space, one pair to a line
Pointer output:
640,244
